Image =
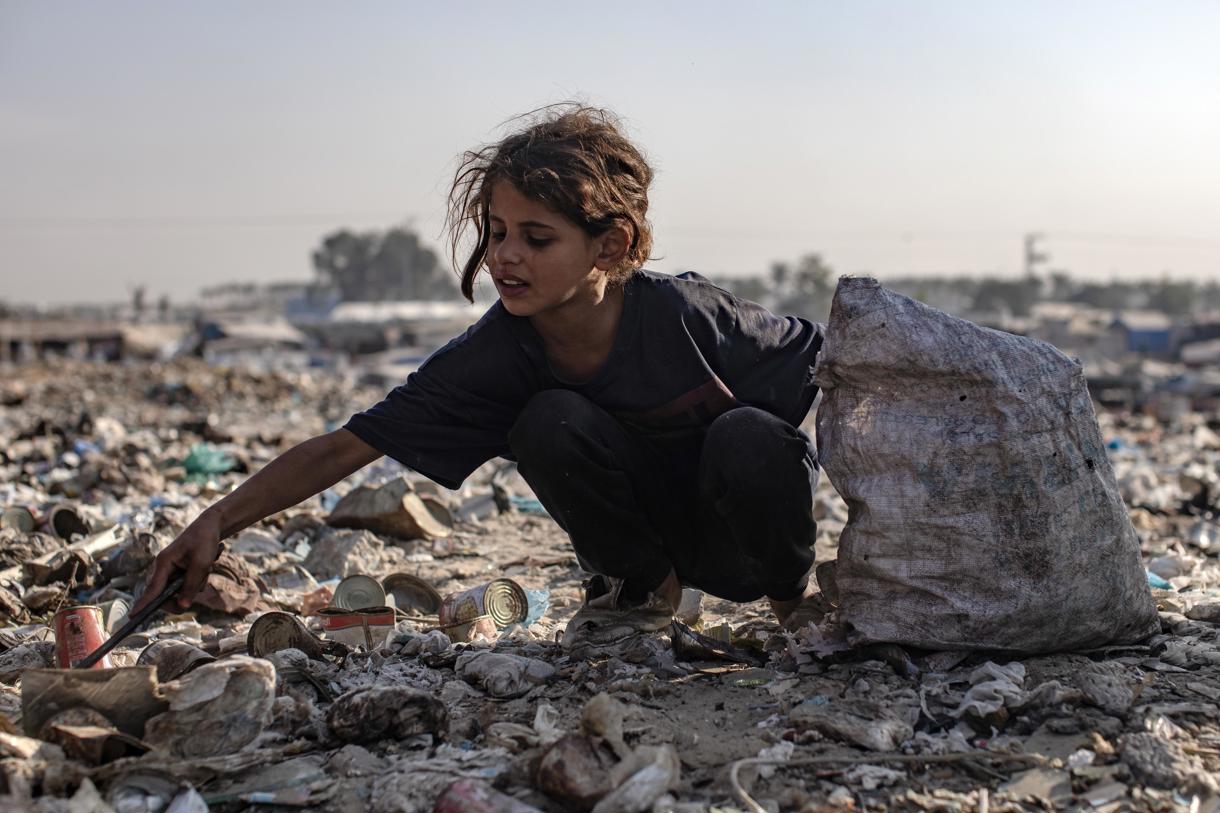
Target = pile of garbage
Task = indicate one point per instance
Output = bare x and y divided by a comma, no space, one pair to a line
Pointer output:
392,646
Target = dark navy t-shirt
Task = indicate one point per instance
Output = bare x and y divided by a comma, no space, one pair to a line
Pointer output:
686,352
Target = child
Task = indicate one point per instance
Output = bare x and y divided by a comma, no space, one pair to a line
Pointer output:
655,417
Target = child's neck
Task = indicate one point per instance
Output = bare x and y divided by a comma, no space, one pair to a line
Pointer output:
578,340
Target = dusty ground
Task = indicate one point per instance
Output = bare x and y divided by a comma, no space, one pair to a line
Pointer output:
1133,728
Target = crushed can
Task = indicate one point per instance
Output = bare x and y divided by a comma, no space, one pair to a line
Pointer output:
172,659
79,631
368,628
277,631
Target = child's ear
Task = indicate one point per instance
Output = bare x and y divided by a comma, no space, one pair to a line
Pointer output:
612,247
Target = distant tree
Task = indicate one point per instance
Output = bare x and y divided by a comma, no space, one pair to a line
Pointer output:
382,266
1209,296
1172,297
1062,287
804,289
138,301
1016,296
1115,296
779,276
755,289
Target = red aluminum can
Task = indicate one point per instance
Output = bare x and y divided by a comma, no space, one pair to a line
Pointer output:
79,631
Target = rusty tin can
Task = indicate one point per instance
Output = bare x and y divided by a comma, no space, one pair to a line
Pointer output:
277,631
79,631
114,613
19,518
173,659
502,600
412,594
65,522
368,628
357,592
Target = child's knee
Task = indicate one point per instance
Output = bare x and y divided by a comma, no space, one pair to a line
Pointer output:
547,424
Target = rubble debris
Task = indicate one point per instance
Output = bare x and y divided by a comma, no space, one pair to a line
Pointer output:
172,659
867,724
499,709
233,588
386,712
471,796
576,771
501,674
336,554
86,735
1048,786
992,687
24,657
127,697
393,509
1161,763
602,717
690,645
641,779
216,709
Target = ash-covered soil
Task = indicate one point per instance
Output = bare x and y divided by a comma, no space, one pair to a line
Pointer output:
652,725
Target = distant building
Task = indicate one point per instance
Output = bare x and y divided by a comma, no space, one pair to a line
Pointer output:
24,340
1201,354
1145,332
1076,329
375,327
246,297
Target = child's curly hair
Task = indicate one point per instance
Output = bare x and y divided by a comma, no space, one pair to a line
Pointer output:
574,159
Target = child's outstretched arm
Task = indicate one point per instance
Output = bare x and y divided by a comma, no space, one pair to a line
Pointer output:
297,474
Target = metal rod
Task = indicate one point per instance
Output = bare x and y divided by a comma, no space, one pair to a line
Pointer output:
131,625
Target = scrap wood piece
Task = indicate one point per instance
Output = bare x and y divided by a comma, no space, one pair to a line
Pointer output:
753,806
197,770
690,645
393,509
126,696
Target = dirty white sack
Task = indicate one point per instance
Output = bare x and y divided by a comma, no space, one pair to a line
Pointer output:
983,512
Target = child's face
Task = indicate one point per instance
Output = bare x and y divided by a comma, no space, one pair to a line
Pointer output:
539,260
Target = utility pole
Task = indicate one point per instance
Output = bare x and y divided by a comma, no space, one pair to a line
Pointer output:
1034,257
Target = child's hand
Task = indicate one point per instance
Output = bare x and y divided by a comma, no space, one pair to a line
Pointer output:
193,553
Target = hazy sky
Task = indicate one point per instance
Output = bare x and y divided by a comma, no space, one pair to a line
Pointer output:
189,143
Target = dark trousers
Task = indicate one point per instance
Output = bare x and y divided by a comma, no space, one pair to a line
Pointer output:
731,512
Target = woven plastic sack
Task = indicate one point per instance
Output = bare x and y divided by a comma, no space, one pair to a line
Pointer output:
983,512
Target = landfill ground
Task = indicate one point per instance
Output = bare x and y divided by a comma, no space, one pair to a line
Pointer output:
652,725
